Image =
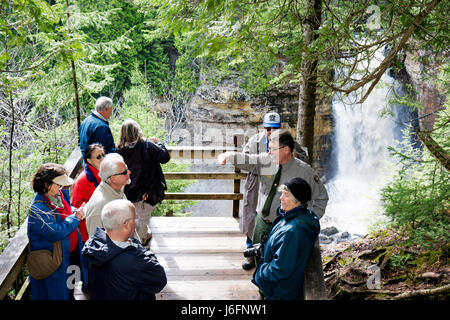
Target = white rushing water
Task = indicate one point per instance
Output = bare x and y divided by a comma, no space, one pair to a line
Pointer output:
362,136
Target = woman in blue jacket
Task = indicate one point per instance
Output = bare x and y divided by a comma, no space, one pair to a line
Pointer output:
289,243
52,202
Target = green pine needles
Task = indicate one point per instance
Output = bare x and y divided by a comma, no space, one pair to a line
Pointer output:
417,200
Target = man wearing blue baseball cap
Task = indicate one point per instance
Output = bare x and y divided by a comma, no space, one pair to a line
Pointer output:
271,120
259,143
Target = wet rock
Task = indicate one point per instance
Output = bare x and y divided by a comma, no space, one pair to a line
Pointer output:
345,235
324,239
329,231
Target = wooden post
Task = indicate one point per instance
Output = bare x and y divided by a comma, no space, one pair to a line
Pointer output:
237,186
314,283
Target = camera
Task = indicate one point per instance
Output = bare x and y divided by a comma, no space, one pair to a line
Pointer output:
256,250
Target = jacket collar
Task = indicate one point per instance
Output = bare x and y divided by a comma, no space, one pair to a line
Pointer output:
107,188
98,115
288,164
291,213
92,174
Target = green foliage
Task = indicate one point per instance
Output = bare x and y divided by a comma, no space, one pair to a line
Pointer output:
401,260
417,200
68,42
42,145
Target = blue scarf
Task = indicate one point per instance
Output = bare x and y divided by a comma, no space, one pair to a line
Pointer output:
90,175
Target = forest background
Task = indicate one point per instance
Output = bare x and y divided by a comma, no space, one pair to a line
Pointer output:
57,57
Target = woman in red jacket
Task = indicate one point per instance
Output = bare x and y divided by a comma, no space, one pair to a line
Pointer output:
87,181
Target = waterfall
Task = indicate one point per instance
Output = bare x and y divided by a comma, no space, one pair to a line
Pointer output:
362,135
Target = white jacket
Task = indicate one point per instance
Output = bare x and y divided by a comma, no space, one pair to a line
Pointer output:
101,196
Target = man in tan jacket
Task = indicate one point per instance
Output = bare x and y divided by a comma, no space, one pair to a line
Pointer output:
115,176
279,160
259,143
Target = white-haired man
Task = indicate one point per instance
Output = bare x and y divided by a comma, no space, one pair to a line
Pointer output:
115,176
119,267
95,128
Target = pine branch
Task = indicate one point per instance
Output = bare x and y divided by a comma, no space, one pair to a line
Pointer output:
376,74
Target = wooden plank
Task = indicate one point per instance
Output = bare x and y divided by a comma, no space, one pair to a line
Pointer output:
179,226
209,290
210,285
74,163
184,263
200,294
12,259
203,196
197,152
205,175
157,221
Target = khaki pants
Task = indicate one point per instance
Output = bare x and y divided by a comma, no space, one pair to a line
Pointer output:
143,214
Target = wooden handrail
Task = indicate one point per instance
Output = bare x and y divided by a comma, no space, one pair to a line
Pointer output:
196,152
203,196
204,175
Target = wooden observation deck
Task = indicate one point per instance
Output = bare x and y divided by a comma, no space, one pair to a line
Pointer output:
202,256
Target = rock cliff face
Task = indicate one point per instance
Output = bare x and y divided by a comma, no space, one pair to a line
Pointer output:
216,113
420,77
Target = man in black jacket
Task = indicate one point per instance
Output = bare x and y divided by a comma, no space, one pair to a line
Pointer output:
119,267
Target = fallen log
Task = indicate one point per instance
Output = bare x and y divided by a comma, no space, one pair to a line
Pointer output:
423,292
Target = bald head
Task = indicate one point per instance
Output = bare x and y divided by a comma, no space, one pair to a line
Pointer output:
116,213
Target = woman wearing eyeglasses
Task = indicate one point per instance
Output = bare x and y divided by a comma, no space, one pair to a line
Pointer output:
87,181
53,232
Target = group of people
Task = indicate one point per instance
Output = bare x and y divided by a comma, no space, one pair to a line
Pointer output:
104,228
101,233
283,202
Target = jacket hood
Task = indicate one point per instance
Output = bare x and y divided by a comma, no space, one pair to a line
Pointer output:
99,249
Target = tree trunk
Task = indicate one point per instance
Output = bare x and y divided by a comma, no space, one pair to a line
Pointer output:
11,140
77,99
308,85
435,149
74,74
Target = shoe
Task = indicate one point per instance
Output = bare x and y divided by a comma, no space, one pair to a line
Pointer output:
248,263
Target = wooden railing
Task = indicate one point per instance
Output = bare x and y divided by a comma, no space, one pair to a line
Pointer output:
206,153
13,258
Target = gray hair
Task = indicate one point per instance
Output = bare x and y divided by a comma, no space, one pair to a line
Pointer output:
103,103
115,213
108,166
283,187
130,134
